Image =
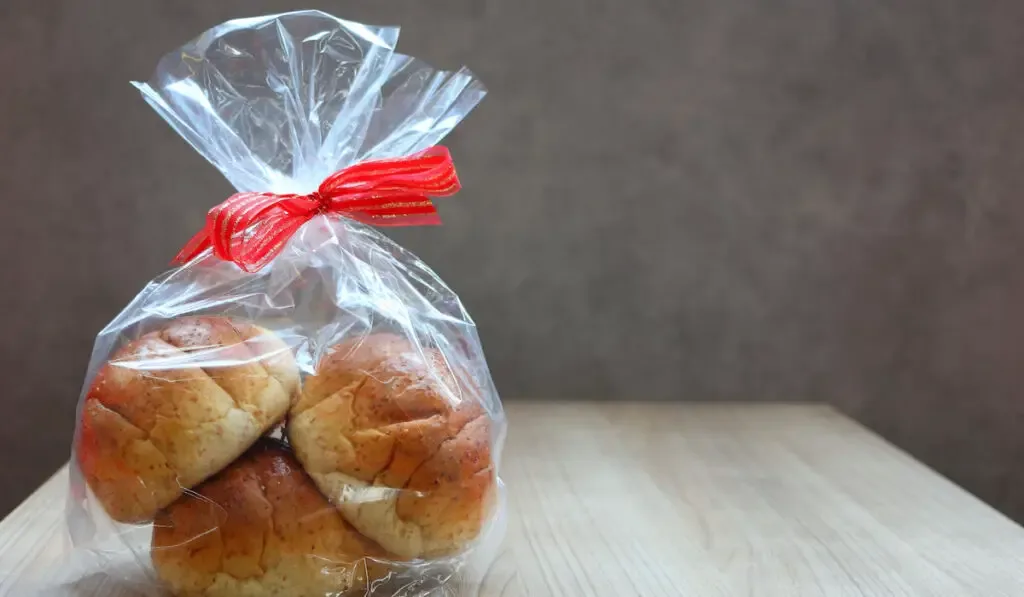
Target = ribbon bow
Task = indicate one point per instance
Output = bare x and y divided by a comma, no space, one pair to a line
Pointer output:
250,229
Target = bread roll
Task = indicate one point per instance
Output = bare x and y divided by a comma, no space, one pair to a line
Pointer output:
261,528
399,443
177,405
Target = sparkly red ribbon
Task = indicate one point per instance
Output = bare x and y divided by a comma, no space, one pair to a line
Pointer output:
250,229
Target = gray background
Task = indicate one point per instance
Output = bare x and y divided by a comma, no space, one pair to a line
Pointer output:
665,200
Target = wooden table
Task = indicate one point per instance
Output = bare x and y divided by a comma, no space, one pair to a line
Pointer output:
623,499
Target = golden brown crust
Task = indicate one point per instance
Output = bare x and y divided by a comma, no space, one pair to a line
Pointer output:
379,413
261,527
176,406
116,455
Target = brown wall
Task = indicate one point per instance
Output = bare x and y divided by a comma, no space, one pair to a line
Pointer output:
665,200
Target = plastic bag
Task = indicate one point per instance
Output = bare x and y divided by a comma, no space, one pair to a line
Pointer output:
325,425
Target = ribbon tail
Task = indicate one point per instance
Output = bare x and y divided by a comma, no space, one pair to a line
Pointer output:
396,221
412,220
193,248
411,210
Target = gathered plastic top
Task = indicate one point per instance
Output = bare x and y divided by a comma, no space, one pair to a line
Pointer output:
280,102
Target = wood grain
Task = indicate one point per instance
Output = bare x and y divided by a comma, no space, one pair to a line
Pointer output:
621,499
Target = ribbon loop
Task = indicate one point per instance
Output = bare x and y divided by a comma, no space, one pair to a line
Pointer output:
250,229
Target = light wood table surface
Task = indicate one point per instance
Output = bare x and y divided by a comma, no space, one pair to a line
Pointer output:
702,500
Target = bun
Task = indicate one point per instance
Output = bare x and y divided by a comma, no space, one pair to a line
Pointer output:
177,405
261,528
381,413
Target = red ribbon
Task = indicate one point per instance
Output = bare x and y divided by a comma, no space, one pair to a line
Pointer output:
250,229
